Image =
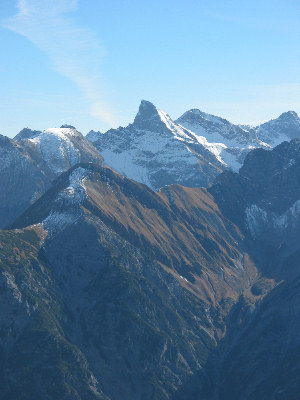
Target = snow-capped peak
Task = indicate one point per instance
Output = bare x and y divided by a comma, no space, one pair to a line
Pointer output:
195,115
57,148
62,132
151,119
217,130
283,128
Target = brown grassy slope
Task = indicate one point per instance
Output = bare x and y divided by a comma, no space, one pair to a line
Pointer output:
182,228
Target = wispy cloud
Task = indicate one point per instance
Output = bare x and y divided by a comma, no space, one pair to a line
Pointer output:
75,52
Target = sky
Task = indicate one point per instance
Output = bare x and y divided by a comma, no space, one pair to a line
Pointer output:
89,63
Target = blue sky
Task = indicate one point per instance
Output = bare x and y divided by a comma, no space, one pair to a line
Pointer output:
90,62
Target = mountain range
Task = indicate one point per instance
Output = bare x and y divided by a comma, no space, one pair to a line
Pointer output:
192,150
154,150
180,282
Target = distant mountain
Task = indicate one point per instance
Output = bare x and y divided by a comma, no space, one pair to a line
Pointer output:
32,160
244,137
283,128
26,133
156,151
93,136
218,130
61,147
232,142
192,150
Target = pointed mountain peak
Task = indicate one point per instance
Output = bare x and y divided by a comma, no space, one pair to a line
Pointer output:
147,106
196,116
147,111
285,127
151,119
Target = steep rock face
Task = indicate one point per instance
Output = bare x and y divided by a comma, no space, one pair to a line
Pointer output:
239,140
144,279
156,151
32,161
264,197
